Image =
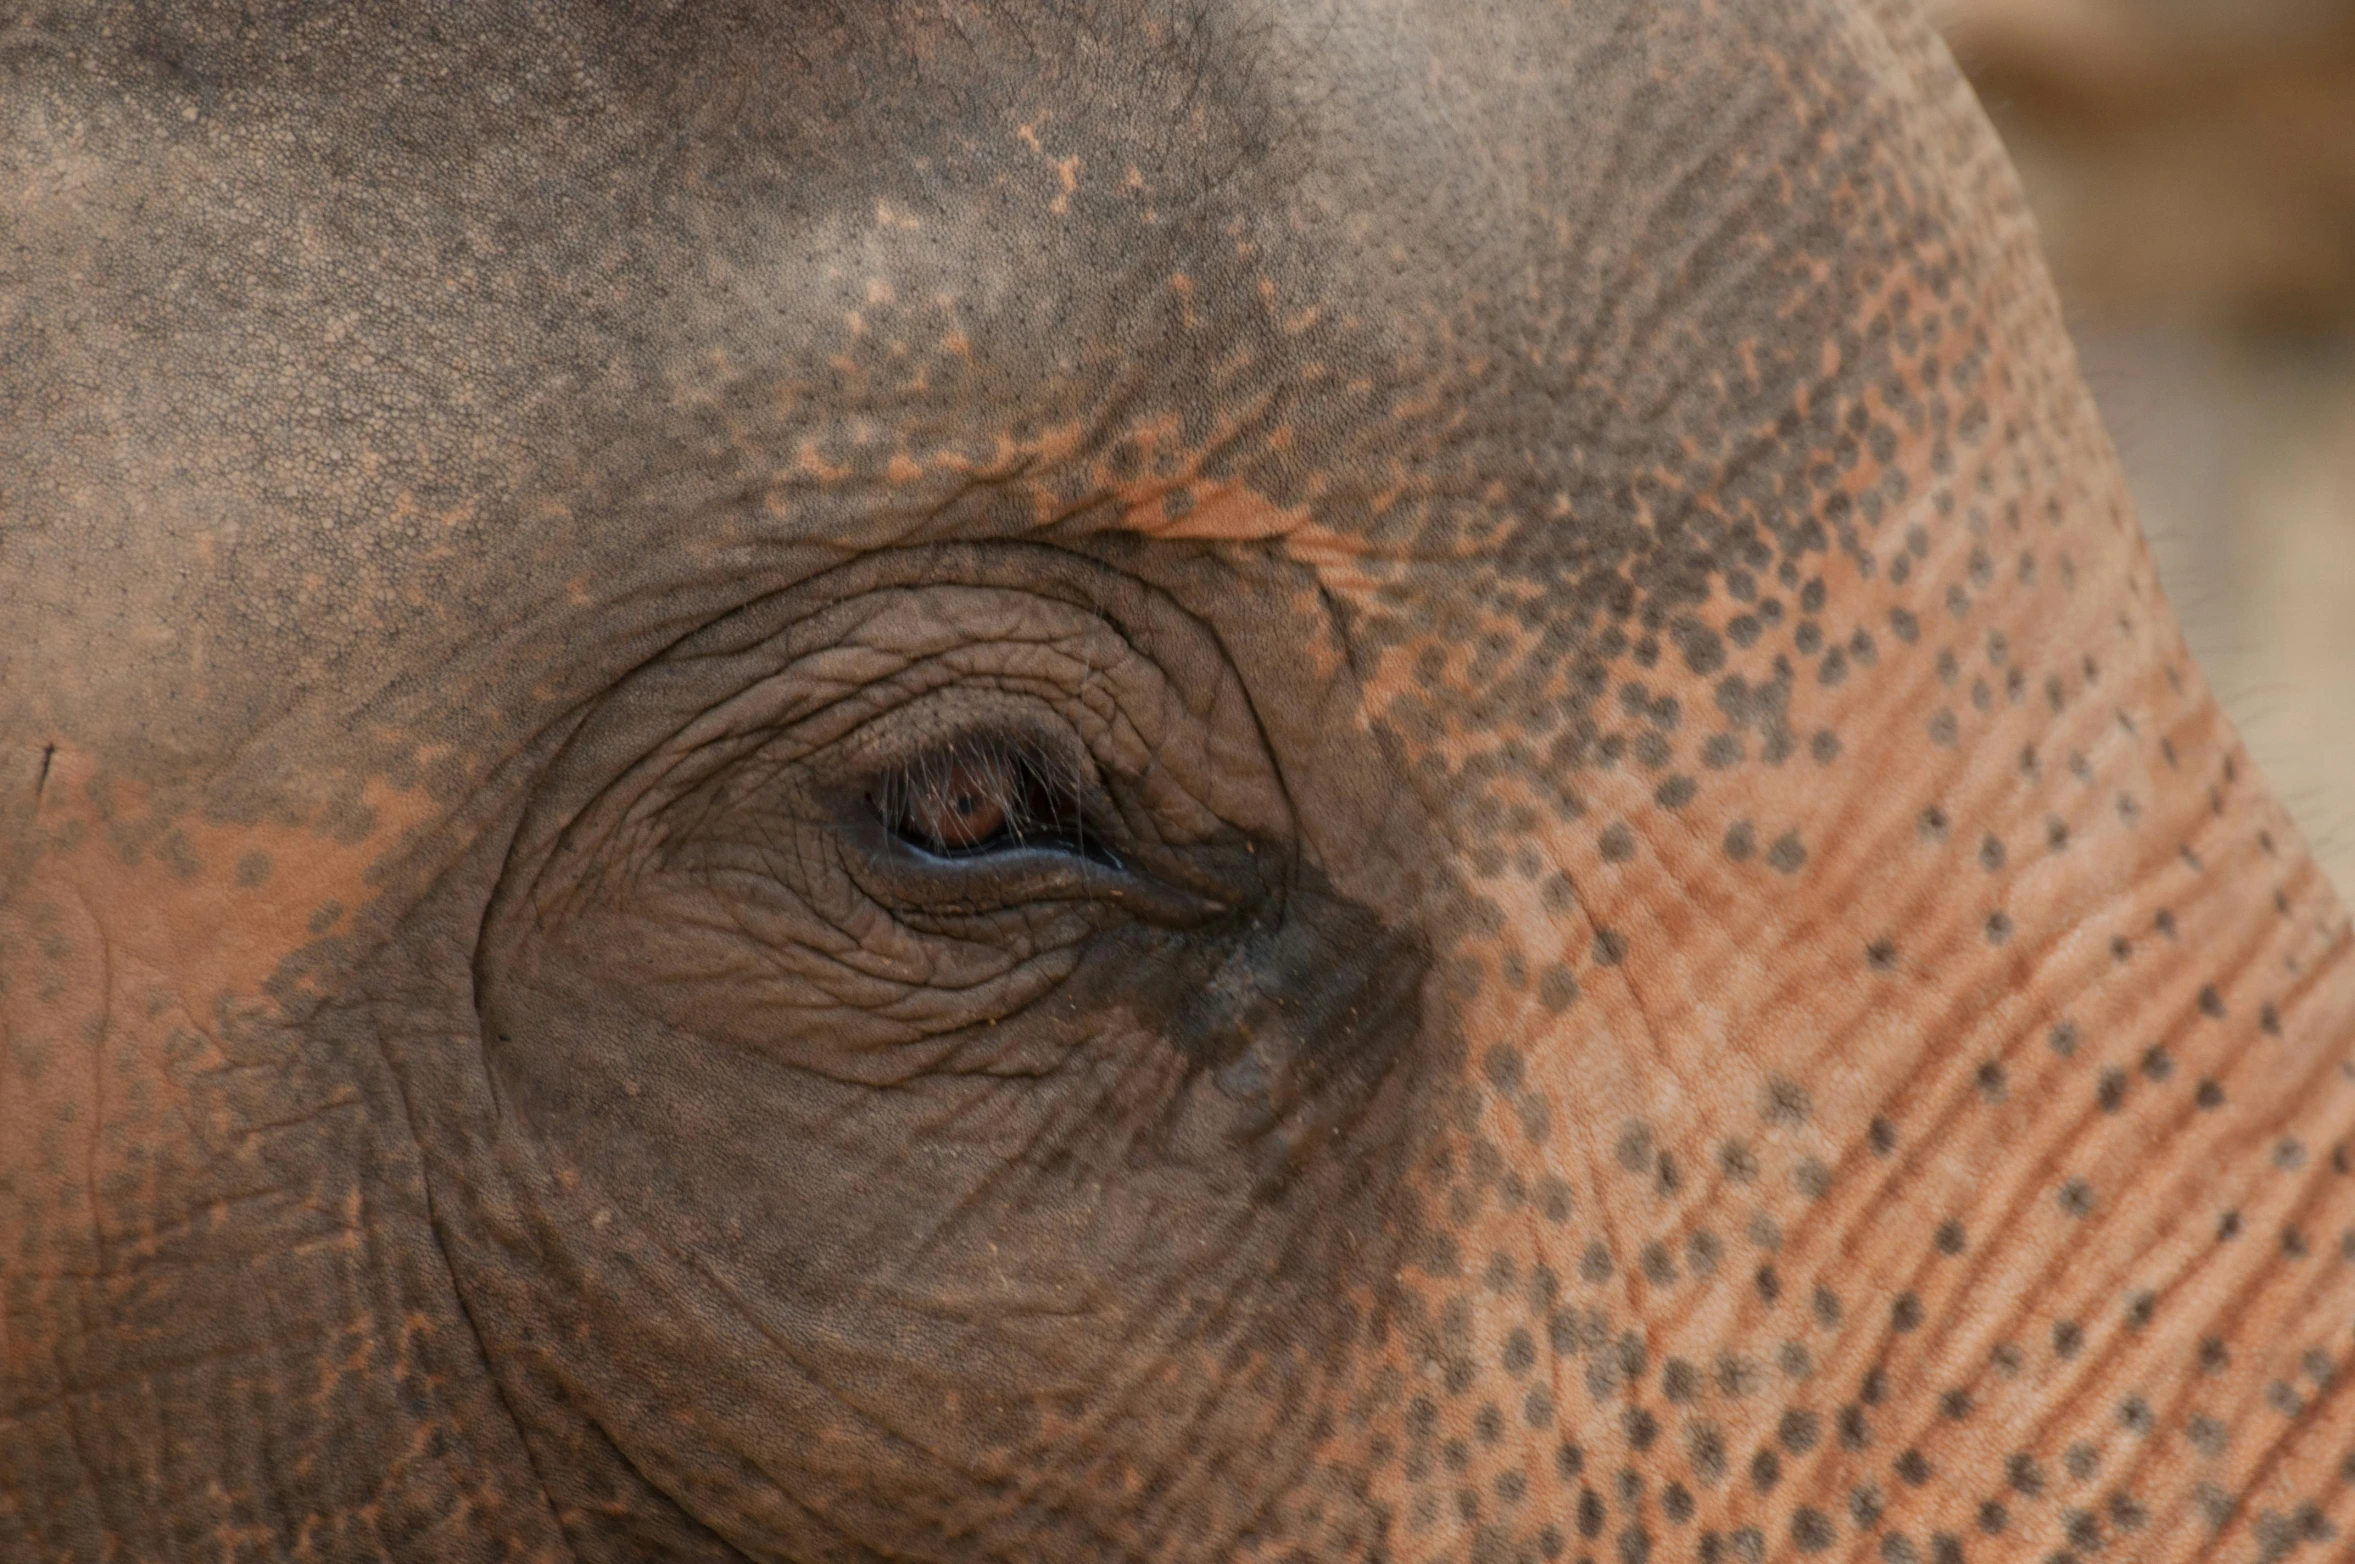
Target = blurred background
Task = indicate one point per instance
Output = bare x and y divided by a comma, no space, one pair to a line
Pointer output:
2192,165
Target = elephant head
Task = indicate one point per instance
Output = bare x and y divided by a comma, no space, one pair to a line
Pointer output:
1144,779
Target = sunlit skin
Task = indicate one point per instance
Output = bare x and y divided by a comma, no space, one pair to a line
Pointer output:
1329,781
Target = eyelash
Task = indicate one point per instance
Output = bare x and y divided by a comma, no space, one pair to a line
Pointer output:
977,797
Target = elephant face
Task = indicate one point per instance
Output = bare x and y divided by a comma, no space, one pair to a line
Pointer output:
1340,781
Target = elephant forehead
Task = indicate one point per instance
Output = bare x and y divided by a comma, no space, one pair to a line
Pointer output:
512,328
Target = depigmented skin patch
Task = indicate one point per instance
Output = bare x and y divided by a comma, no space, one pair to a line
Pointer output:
1683,966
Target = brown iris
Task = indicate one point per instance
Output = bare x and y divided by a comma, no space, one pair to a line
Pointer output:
962,807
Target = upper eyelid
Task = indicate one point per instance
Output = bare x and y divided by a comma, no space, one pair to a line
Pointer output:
756,740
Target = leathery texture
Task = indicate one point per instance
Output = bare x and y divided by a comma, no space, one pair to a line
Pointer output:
1625,935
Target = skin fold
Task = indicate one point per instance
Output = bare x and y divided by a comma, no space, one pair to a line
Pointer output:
1319,781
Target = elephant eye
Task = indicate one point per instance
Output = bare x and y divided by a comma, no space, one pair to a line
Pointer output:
984,796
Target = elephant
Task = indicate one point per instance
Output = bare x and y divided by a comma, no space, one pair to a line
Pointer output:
1271,780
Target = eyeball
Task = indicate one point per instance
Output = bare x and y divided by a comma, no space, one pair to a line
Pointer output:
978,797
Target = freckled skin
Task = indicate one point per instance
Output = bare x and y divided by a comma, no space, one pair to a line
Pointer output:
1669,958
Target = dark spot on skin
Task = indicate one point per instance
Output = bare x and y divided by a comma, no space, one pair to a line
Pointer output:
1702,1252
2206,1435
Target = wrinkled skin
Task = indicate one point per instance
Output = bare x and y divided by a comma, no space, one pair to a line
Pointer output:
1626,934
